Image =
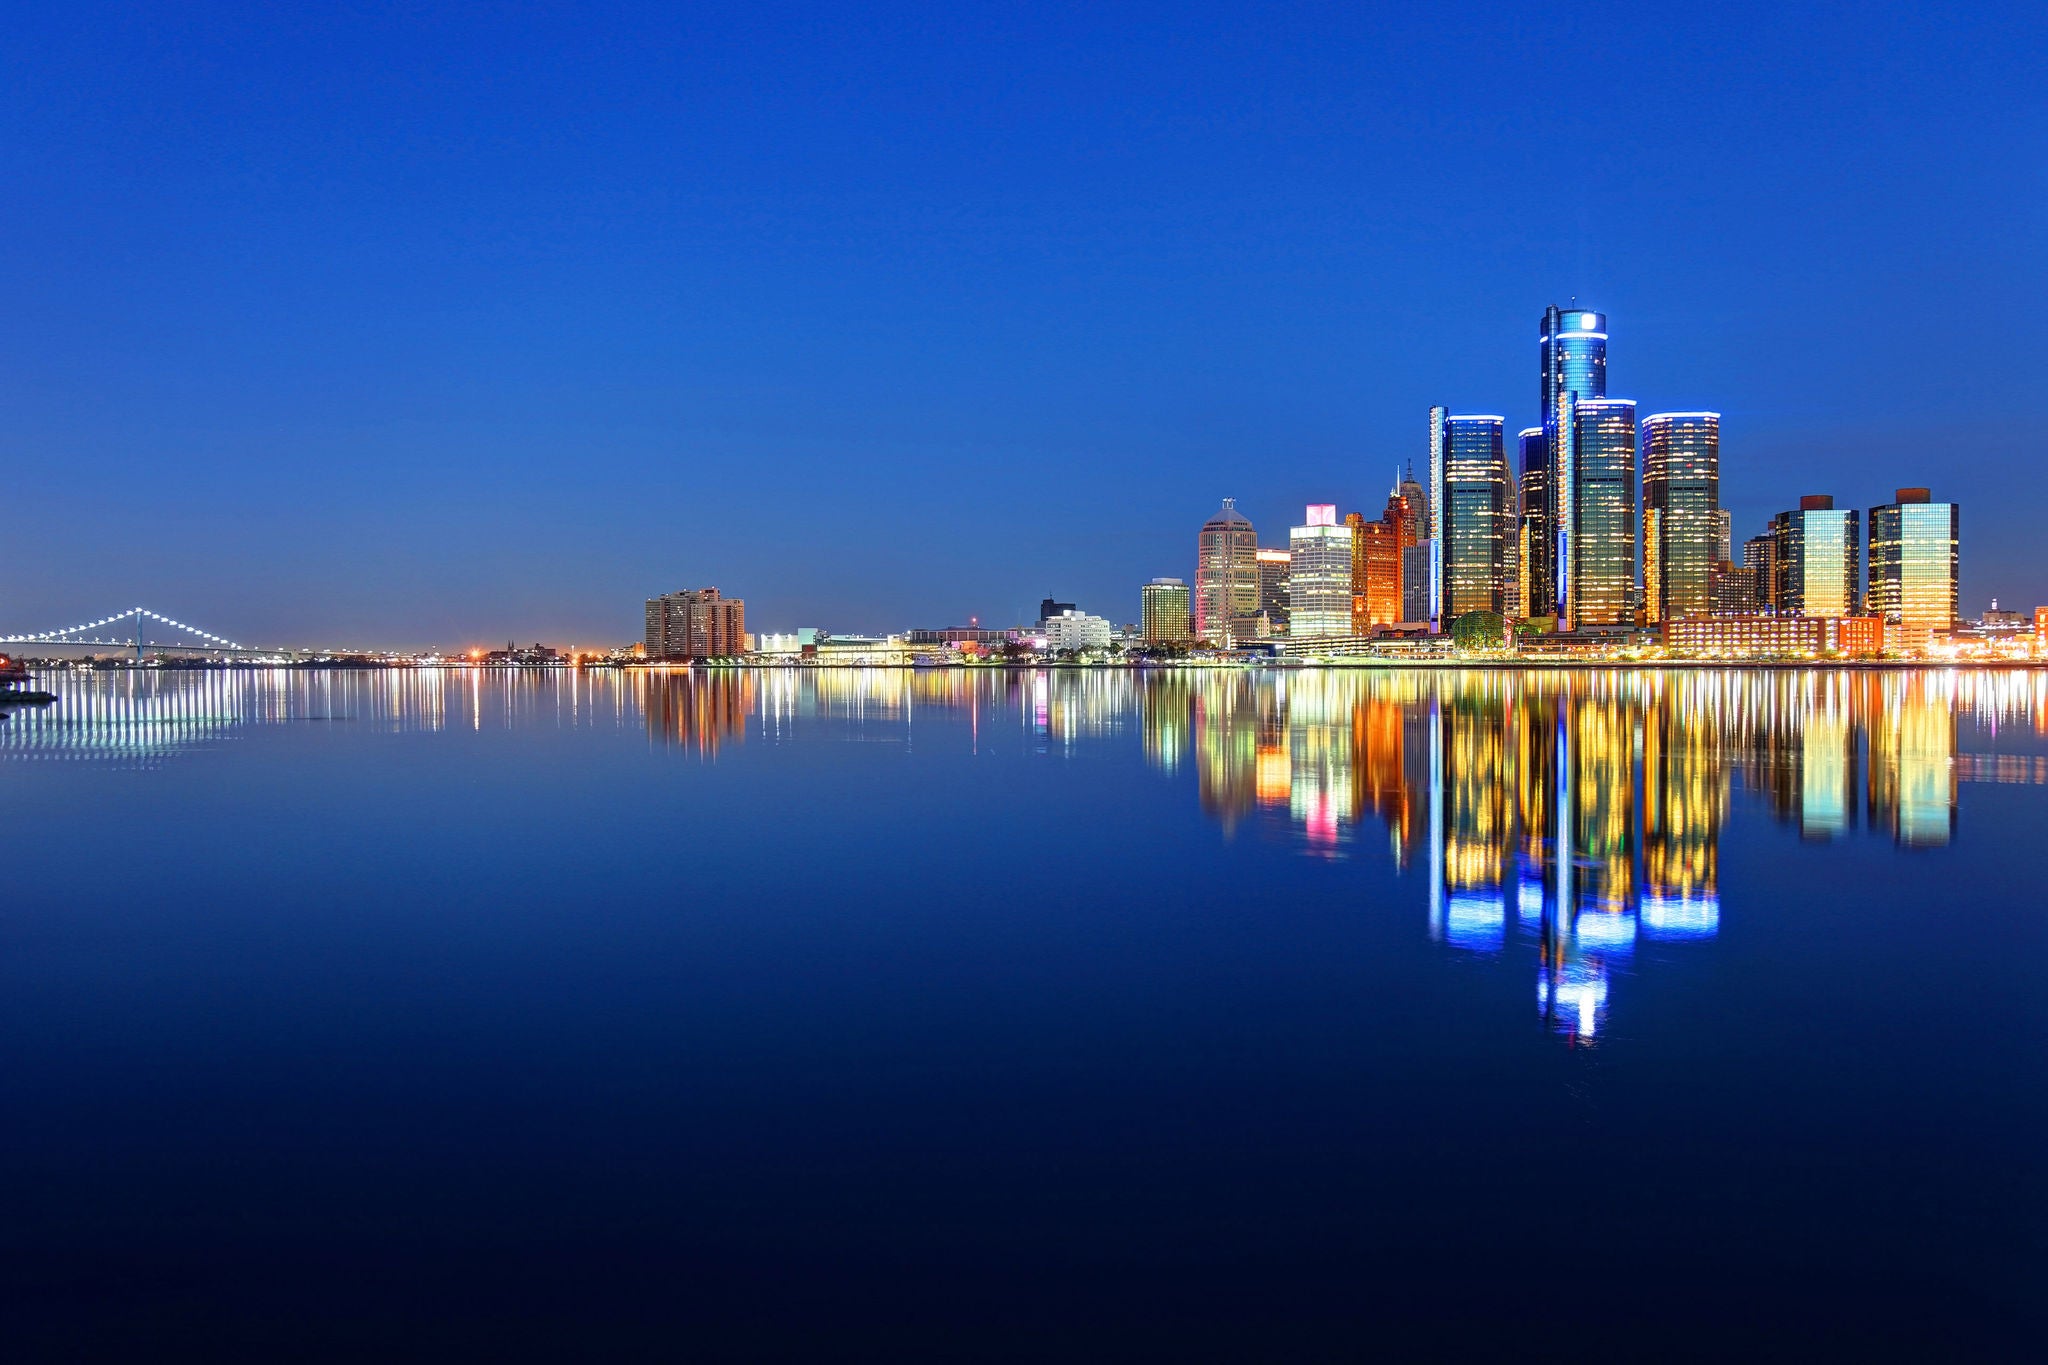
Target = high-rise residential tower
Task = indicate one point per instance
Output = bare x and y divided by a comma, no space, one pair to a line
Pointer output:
1597,554
1760,557
1473,502
1681,512
1818,559
1319,576
1165,610
1226,572
1572,356
695,624
1273,589
1915,554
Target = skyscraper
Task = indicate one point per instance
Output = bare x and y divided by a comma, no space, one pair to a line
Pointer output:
1417,548
1760,557
1681,511
1319,576
1474,510
1273,589
695,624
1818,568
1915,555
1572,356
1226,572
1598,551
1535,594
1164,607
1376,568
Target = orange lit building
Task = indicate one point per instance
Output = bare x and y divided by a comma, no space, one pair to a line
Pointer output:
1763,633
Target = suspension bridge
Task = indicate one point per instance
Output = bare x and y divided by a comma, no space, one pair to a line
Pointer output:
134,629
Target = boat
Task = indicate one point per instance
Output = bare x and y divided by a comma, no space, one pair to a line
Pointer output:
12,692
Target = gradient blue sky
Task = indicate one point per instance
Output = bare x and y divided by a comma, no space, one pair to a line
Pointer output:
412,325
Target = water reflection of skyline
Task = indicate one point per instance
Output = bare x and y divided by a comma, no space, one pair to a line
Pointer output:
1574,815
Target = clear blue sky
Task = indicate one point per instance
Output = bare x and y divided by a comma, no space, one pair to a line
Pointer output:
415,325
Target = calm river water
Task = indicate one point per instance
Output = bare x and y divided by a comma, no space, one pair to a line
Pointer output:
1078,1015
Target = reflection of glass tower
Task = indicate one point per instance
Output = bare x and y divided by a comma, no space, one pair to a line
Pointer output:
1599,554
1572,349
1681,511
1914,552
1475,513
1911,779
1684,797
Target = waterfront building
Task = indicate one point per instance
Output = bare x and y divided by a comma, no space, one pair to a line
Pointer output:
793,643
955,636
1319,576
1273,597
864,651
1760,557
1050,608
1376,568
1535,594
1682,520
695,624
1226,573
1818,559
1165,612
1415,498
1732,590
1472,502
1415,562
1915,546
1073,629
1772,633
1597,557
1572,358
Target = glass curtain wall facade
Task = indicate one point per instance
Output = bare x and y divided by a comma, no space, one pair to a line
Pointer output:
1273,589
1681,512
1572,351
1818,569
1915,557
1599,553
1226,572
1319,576
1477,517
1534,594
1166,608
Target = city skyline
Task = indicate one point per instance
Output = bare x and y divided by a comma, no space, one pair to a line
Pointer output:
391,337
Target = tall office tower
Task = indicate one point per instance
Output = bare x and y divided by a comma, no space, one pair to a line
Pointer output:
1732,590
1417,499
1536,594
1273,589
1415,582
1597,558
1682,525
1474,508
1226,572
1724,542
1439,437
1164,607
1572,352
1760,557
1376,567
696,624
1818,568
1319,576
1915,554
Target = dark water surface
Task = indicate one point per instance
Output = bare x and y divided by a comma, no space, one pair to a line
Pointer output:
1026,1016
